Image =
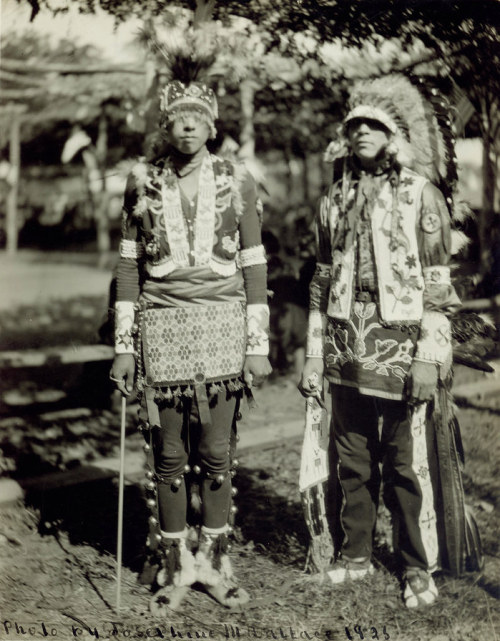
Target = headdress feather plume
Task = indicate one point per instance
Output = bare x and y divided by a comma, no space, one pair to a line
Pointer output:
185,57
418,133
418,116
184,53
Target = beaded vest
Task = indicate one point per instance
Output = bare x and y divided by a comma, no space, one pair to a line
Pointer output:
170,241
399,272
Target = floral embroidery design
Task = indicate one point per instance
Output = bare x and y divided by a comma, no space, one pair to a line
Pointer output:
405,197
229,245
411,261
153,246
387,357
407,181
437,275
395,246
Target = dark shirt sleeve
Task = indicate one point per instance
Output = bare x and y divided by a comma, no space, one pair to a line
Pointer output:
129,264
434,244
253,258
439,297
320,283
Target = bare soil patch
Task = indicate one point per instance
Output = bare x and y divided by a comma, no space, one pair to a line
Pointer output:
58,565
57,549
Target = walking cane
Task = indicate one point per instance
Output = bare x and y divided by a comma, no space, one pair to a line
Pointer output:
119,538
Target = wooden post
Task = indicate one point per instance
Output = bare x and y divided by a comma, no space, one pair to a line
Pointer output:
102,200
247,134
11,223
487,213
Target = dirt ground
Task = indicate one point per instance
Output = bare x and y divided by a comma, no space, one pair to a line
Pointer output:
58,547
58,564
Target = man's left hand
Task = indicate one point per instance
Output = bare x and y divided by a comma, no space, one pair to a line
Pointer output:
422,381
255,369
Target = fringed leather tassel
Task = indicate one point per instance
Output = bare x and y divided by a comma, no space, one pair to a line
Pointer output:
178,565
214,571
171,561
211,558
177,574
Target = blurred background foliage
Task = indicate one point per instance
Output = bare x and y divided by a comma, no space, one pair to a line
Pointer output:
84,116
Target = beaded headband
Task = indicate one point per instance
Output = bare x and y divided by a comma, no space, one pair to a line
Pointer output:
197,96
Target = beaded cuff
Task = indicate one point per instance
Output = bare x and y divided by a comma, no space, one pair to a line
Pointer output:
257,329
434,344
315,334
124,321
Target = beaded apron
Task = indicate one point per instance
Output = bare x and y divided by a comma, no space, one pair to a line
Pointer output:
193,345
364,354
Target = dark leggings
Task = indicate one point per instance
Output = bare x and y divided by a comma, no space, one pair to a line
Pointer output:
171,446
360,449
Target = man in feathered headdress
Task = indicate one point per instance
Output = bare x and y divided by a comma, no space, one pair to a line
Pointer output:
378,326
192,330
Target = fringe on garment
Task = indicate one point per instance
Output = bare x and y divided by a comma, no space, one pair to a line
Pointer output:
173,393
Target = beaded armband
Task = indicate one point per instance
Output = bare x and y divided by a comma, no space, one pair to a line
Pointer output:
257,329
437,275
130,249
252,256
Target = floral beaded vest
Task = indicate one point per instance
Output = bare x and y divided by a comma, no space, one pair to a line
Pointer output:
211,239
399,272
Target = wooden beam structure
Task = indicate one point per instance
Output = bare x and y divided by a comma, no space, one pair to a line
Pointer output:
23,81
14,112
52,356
22,67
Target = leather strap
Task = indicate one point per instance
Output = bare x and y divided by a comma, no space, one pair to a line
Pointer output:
152,407
200,393
451,488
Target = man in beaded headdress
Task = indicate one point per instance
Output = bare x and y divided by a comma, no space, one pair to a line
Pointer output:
378,325
192,330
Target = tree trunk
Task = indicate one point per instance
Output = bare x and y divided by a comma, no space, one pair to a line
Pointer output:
289,176
101,210
305,178
487,215
247,132
11,223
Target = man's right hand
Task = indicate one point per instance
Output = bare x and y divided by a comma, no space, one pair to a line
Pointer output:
122,373
312,377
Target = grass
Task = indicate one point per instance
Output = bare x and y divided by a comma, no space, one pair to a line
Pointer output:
57,551
61,570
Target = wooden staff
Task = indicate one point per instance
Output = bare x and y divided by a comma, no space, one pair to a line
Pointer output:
119,540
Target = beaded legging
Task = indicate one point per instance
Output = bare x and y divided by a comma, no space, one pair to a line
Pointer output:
173,445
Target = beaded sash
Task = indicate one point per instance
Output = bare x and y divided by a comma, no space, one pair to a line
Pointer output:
193,345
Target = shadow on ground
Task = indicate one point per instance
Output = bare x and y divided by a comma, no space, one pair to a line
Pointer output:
88,513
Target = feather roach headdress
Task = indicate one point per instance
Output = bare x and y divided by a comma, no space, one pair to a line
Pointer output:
185,58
